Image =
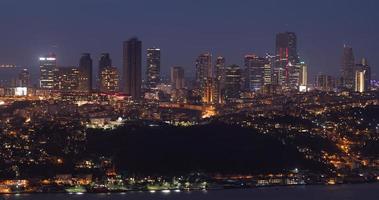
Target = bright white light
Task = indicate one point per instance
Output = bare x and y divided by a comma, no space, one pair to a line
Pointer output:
166,191
51,58
42,58
20,91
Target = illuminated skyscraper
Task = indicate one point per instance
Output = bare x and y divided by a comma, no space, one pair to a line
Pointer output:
286,56
105,62
219,79
204,78
268,70
177,77
68,79
293,71
24,78
348,68
360,83
203,69
303,77
153,67
132,67
363,66
48,72
255,68
109,80
85,73
233,74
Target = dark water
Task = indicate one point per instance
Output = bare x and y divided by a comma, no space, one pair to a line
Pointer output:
345,192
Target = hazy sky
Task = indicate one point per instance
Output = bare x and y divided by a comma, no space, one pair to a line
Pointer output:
185,28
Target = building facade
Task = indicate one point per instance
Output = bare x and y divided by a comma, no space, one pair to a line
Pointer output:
132,67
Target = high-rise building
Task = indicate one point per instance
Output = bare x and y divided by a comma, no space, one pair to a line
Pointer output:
255,68
48,72
109,80
153,67
219,79
347,68
203,68
233,74
360,80
105,62
268,70
204,77
177,77
85,73
286,56
132,67
303,77
68,79
363,66
24,78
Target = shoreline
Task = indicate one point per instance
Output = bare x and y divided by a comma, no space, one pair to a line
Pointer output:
168,191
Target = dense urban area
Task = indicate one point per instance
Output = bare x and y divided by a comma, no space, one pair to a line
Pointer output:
262,124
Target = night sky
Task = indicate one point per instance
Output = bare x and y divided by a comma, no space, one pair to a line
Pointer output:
185,28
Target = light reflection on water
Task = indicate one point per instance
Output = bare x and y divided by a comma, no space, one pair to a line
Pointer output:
346,192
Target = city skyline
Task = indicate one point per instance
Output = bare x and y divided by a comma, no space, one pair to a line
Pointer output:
320,43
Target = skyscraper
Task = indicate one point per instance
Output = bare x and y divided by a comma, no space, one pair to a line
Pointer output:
204,79
177,77
85,73
255,67
104,63
203,69
360,84
48,72
132,67
68,79
286,55
348,68
109,80
219,79
153,67
24,78
232,82
303,77
363,66
268,70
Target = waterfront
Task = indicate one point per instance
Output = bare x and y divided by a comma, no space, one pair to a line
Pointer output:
346,192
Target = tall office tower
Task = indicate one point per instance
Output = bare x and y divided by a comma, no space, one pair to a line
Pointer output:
325,82
360,84
363,66
348,68
68,79
177,77
109,80
204,77
293,76
203,68
24,78
219,79
303,77
286,55
255,68
132,67
48,72
268,70
233,75
105,62
85,73
153,67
